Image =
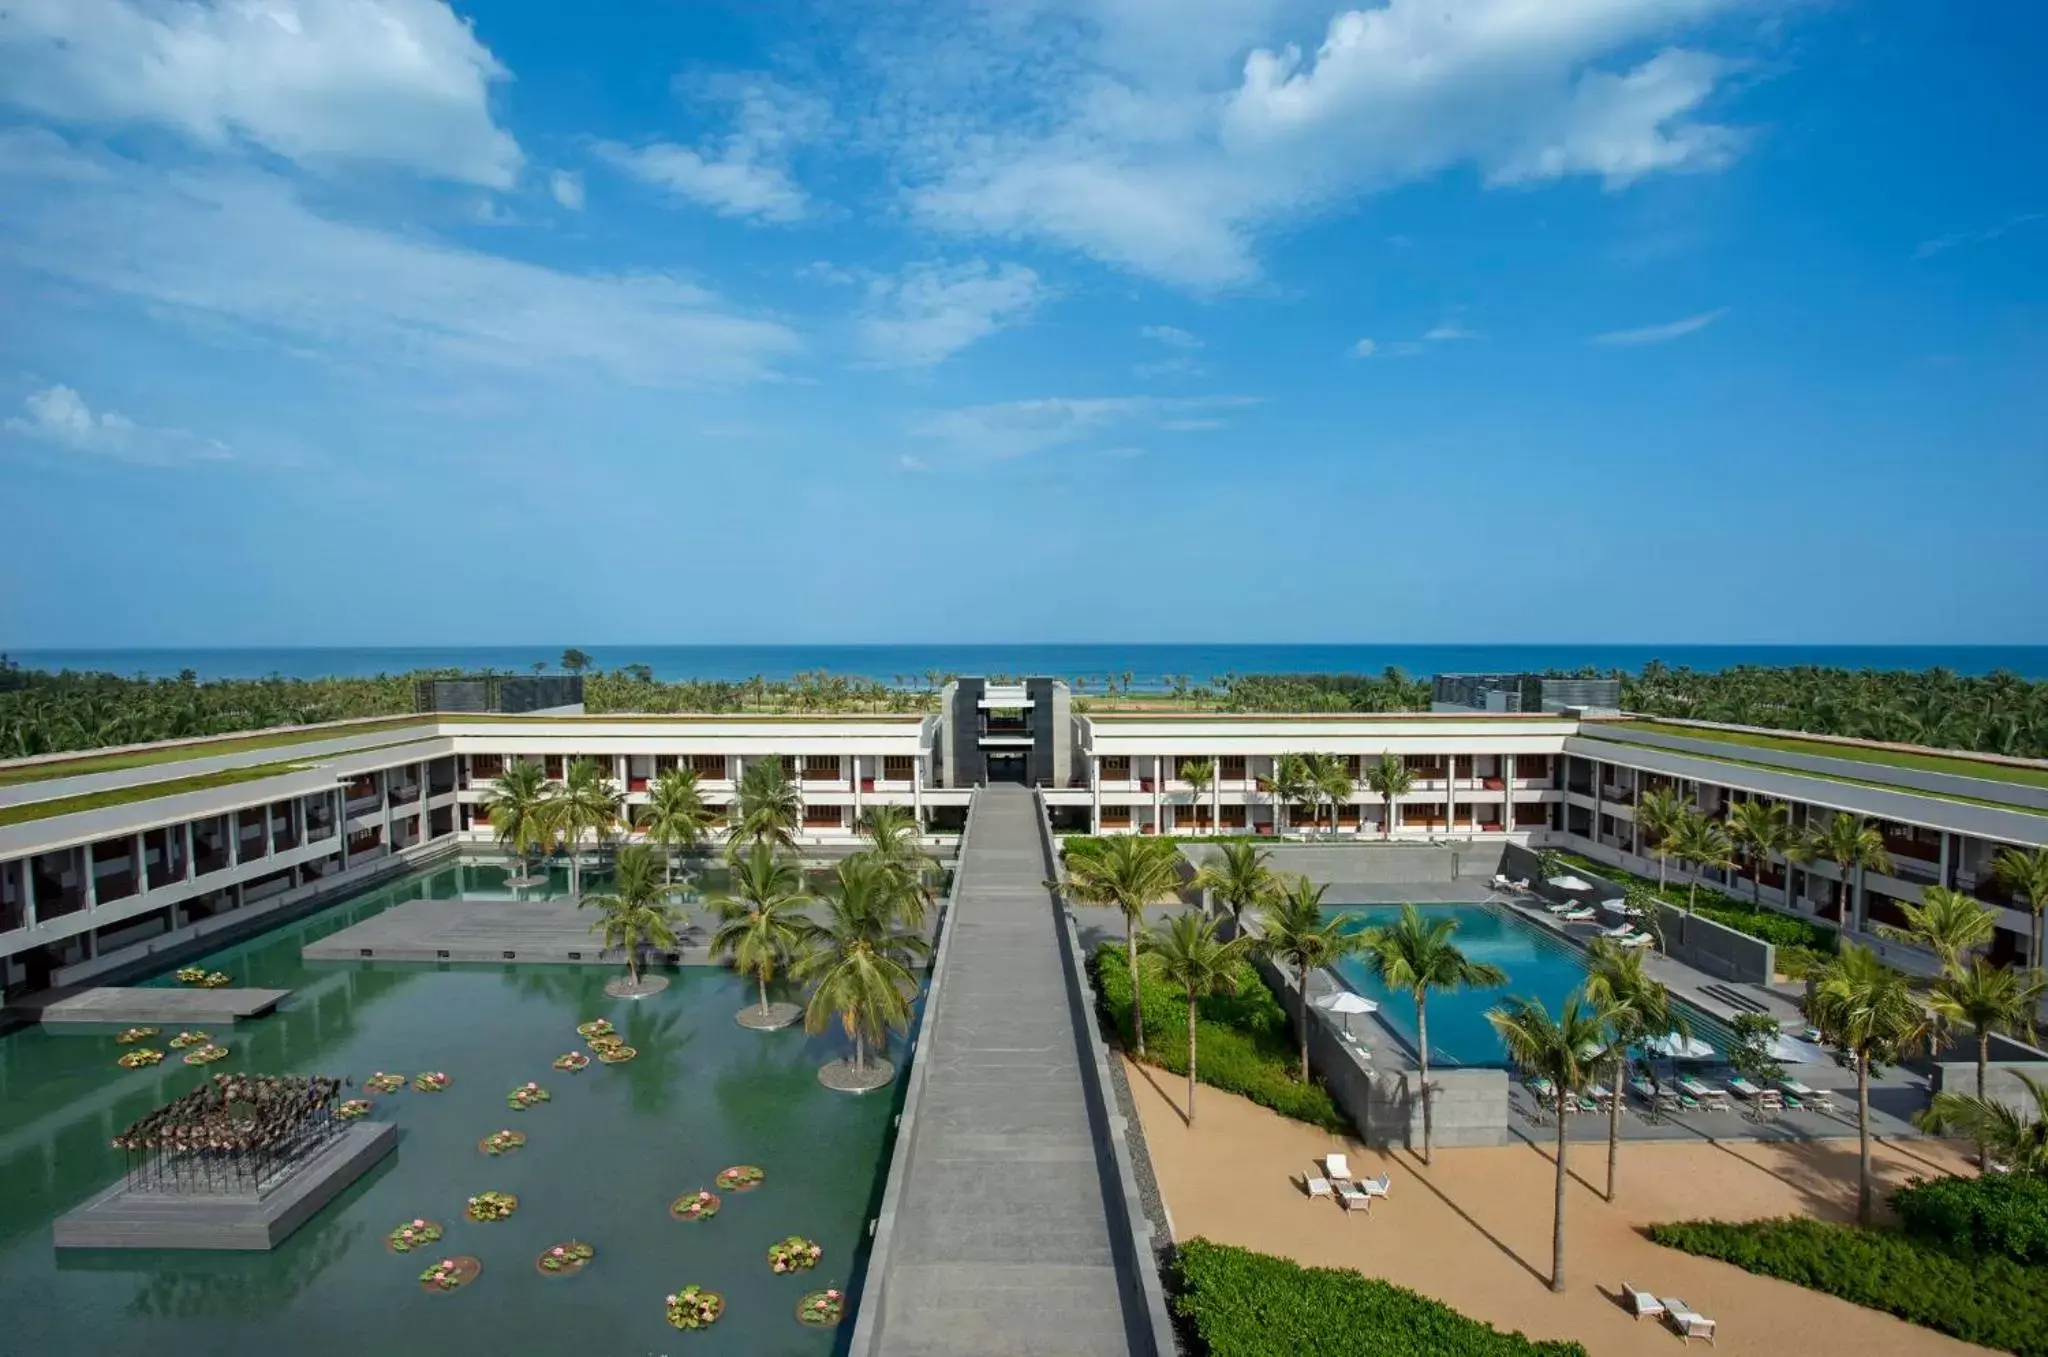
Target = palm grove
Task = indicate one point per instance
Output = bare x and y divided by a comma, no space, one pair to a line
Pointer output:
852,946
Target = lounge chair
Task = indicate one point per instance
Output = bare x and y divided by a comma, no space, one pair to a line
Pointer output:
1693,1087
1354,1198
1560,906
1577,914
1620,930
1643,1089
1637,940
1376,1187
1501,882
1338,1167
1641,1303
1742,1088
1689,1322
1318,1186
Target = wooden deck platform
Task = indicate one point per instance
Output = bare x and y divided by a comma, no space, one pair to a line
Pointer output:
181,1007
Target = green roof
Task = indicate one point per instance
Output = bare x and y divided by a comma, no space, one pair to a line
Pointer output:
180,751
148,791
1955,765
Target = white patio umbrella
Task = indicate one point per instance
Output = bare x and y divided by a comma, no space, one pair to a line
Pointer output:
1793,1051
1346,1002
1571,883
1679,1048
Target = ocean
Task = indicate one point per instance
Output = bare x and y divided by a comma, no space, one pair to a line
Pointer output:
1151,666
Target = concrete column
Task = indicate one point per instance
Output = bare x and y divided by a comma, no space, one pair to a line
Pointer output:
1948,865
1159,767
28,891
1215,793
142,863
186,870
1450,795
387,812
1507,785
341,822
92,880
917,792
853,761
1095,790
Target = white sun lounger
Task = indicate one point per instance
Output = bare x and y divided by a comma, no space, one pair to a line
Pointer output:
1338,1167
1637,940
1742,1088
1689,1322
1620,930
1376,1187
1577,915
1641,1303
1318,1186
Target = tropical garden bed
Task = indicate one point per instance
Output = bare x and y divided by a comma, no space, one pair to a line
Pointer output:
1801,943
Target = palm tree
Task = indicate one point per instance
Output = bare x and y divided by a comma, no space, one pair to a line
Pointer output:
1288,785
1299,934
2007,1135
1199,774
1700,843
1660,813
1946,923
1418,955
761,923
675,816
1570,1050
767,810
1867,1009
1987,998
1854,845
893,842
586,803
636,912
1637,1008
1191,957
1761,830
518,810
1330,783
859,972
1390,780
1131,873
1240,877
2026,873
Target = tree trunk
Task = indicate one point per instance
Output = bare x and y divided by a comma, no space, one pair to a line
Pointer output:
1387,820
1133,923
1557,1213
1983,1066
1614,1124
761,979
860,1052
575,874
1191,1061
633,962
2036,946
1663,865
1863,1138
1422,1045
1756,882
1303,1024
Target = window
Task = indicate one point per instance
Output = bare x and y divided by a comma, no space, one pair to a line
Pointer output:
487,765
1230,768
824,817
664,763
710,766
899,767
551,765
1116,769
1116,817
1233,816
821,765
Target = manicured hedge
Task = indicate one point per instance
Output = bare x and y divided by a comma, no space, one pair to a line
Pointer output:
1993,1301
1781,930
1245,1304
1244,1043
2000,1214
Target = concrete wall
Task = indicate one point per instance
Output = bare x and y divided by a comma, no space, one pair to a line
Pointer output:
2001,1081
1368,863
1697,941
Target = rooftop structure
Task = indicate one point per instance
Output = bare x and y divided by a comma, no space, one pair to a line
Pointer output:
1523,693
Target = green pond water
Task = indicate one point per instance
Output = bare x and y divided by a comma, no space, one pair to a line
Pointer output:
603,1161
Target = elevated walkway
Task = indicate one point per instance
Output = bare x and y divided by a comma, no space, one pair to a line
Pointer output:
1005,1236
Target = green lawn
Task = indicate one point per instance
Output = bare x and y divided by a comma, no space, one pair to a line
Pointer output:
148,791
1955,765
197,749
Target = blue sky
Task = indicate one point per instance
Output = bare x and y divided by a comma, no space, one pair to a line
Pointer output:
377,321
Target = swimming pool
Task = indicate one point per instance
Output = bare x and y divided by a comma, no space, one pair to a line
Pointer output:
1540,966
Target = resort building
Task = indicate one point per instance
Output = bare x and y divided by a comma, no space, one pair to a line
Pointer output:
109,856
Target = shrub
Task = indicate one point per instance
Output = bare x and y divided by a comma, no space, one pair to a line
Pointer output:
2001,1214
1245,1043
1993,1301
1245,1304
1764,923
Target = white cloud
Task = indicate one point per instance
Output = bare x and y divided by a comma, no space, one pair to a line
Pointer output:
930,313
59,415
1364,348
1112,128
320,82
1927,249
567,188
1019,428
1178,366
1449,331
245,250
1658,334
1171,336
906,462
745,174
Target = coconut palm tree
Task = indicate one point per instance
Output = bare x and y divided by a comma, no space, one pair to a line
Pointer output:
761,922
1761,830
1946,923
2007,1135
1288,785
1866,1009
518,810
894,843
1240,876
1390,780
2025,873
1130,873
1637,1008
767,810
1986,999
1700,843
1330,783
1854,845
1570,1050
1299,934
1198,963
1417,955
1200,775
1660,813
587,802
858,968
636,912
675,816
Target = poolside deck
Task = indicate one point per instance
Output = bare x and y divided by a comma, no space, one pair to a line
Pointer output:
132,1004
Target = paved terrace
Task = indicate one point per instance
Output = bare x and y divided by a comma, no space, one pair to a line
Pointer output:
1003,1239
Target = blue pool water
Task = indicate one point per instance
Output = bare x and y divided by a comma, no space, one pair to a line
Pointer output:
1539,966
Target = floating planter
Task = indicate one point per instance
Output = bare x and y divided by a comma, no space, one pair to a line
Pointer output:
616,1055
190,975
501,1142
451,1273
489,1206
603,1044
134,1034
381,1082
355,1109
564,1260
572,1062
414,1234
206,1055
698,1205
740,1178
432,1082
525,1096
217,980
822,1308
693,1307
596,1027
142,1059
184,1039
794,1254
